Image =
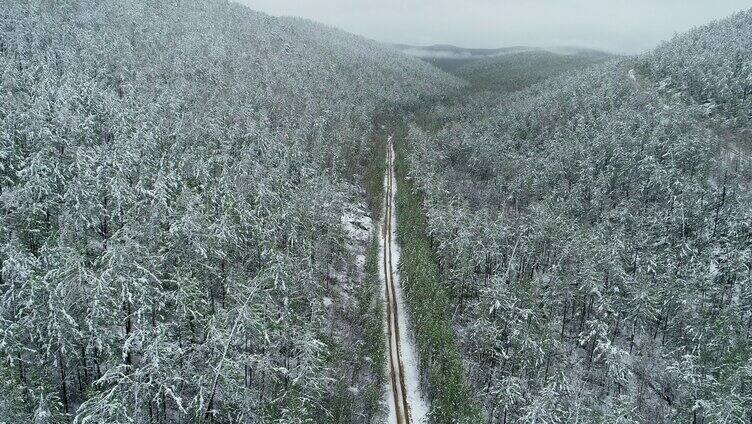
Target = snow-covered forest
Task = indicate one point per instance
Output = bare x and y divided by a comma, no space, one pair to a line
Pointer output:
173,181
192,192
595,234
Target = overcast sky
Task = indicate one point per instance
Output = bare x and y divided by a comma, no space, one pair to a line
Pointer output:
625,26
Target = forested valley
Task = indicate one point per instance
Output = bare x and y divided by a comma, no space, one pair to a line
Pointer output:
192,195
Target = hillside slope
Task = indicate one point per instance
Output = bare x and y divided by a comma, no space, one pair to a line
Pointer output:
594,230
173,180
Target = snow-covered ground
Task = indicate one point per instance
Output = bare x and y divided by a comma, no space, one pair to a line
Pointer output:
357,225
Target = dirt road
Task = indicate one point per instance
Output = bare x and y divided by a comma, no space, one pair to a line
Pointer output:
397,375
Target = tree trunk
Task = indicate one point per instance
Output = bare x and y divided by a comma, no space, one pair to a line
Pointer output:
63,384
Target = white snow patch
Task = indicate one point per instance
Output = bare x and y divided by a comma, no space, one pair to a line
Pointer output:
357,226
357,223
339,276
664,84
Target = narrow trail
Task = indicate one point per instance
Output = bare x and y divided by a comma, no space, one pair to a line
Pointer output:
406,403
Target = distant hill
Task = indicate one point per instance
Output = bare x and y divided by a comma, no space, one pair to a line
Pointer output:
450,58
515,71
454,59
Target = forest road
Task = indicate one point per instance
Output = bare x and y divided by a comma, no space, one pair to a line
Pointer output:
396,367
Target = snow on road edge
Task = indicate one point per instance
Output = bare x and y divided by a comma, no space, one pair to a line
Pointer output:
418,405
